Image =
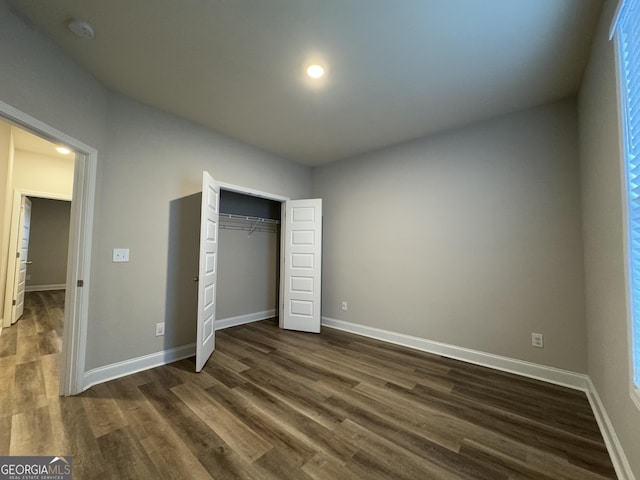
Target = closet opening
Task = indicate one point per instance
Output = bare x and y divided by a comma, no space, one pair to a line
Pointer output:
248,286
250,269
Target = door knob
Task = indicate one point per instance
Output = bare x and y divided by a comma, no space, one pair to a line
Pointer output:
195,279
28,262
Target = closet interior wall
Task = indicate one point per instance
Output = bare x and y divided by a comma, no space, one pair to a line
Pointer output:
248,257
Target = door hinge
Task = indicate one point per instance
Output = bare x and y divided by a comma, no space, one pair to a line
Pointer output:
80,283
17,254
14,303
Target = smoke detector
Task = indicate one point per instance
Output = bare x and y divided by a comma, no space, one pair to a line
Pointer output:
81,28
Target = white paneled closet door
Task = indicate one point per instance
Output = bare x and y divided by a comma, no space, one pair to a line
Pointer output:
300,307
208,271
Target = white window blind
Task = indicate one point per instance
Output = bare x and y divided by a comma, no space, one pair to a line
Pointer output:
629,48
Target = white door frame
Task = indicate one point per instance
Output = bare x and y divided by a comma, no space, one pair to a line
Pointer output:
14,232
252,192
74,340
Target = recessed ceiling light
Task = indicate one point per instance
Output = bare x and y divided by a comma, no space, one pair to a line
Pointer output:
81,28
63,150
315,71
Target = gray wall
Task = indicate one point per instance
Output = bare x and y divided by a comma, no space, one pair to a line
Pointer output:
150,179
248,273
48,242
471,238
145,194
40,80
247,205
605,267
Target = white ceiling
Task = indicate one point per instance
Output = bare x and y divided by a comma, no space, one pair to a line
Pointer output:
397,69
23,140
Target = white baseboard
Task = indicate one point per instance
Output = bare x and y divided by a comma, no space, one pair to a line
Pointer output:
134,365
540,372
44,288
242,319
618,458
557,376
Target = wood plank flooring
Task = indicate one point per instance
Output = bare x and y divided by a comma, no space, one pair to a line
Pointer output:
272,404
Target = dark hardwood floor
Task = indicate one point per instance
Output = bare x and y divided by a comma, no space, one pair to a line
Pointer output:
273,404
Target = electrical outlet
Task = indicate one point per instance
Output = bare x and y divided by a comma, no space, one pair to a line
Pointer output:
345,307
537,340
159,329
27,277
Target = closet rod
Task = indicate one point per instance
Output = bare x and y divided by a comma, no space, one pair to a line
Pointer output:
249,229
232,216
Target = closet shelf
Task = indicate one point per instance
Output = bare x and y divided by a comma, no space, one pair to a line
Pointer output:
244,218
230,221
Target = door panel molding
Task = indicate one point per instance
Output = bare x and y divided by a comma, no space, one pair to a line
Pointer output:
208,271
301,277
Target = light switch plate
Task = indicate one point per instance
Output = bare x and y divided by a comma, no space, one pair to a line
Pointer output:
120,255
